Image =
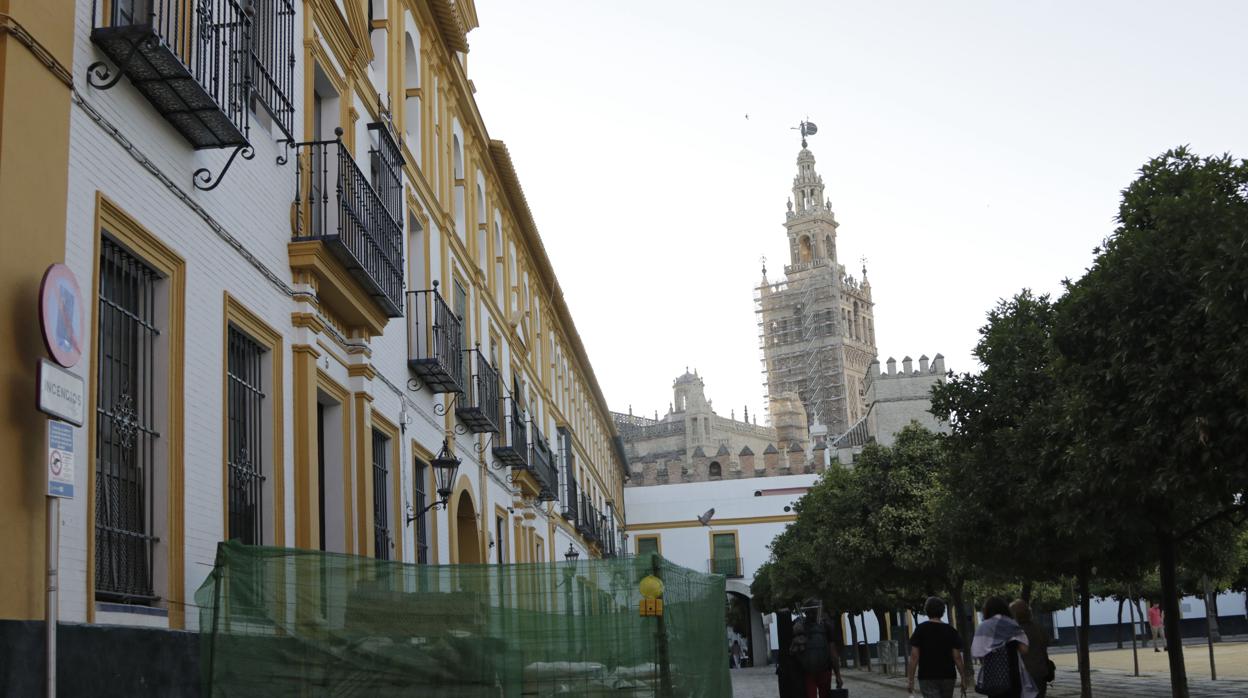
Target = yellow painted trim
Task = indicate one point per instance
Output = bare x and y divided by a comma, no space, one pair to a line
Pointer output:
335,287
694,523
431,493
362,371
131,234
262,333
363,404
306,479
658,542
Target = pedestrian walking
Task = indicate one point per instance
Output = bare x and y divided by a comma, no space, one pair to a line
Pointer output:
1156,622
935,654
735,662
997,644
789,678
815,650
1036,662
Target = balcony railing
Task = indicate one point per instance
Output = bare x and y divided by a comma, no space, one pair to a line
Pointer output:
479,409
572,502
542,463
590,523
511,447
335,203
728,566
435,342
189,58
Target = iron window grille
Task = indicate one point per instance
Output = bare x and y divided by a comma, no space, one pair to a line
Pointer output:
567,468
420,474
542,463
386,169
335,203
511,448
381,509
126,432
273,59
245,403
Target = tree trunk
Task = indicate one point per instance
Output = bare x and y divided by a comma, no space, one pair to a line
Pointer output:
1118,626
961,618
1170,607
1026,592
853,640
1142,620
1085,617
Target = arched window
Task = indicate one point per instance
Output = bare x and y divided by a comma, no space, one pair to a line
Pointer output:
806,253
715,471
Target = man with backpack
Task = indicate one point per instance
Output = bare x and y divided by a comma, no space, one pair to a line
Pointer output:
815,649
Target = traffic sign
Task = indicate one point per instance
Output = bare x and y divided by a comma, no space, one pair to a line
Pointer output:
60,459
61,314
62,394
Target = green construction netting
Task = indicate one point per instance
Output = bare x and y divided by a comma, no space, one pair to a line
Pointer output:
279,621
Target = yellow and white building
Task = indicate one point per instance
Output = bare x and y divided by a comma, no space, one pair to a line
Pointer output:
307,268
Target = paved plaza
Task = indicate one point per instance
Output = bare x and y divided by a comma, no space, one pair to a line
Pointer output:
1112,676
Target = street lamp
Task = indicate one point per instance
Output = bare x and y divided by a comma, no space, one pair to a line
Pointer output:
572,555
445,466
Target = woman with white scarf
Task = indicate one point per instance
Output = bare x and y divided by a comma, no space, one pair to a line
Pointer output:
998,631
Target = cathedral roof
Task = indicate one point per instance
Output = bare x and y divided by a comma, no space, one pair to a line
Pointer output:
771,448
794,447
746,451
699,453
723,451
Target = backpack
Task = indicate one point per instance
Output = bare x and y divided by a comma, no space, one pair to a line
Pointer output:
812,650
994,673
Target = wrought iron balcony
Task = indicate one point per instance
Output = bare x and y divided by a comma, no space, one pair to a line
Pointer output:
479,410
189,58
591,522
511,447
542,463
435,343
335,204
571,494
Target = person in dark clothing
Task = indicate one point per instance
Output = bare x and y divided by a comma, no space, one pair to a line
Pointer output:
815,648
935,654
792,683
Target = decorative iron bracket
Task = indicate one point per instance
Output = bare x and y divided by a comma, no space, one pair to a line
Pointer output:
100,77
442,408
203,176
285,156
412,516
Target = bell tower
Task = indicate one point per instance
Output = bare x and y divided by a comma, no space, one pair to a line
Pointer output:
817,325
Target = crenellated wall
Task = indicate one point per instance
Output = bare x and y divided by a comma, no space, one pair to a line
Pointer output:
898,397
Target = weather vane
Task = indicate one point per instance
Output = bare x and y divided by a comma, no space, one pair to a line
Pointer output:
807,128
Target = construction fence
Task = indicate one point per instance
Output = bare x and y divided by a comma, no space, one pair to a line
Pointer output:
289,622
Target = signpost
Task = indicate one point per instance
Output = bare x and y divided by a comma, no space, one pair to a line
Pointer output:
62,396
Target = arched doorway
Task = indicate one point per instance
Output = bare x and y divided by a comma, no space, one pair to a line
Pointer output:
467,544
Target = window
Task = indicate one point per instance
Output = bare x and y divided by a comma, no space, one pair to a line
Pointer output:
724,558
245,419
647,545
420,475
715,471
381,511
273,59
461,305
126,434
567,472
385,162
500,541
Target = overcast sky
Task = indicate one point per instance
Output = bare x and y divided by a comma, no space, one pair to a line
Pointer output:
970,149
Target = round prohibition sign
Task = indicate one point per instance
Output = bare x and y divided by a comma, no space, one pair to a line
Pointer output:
56,463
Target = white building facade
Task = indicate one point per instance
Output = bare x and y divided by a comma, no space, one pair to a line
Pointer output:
283,350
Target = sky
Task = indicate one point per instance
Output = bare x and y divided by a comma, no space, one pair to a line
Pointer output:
970,150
